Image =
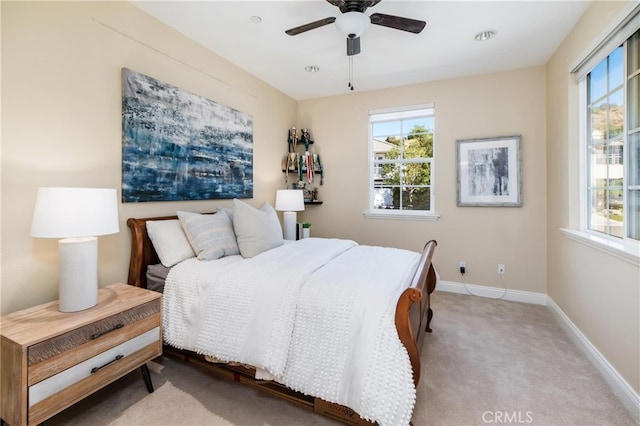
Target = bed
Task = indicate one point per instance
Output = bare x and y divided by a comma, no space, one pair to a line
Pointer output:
410,317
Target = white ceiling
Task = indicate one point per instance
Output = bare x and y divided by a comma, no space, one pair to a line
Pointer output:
528,34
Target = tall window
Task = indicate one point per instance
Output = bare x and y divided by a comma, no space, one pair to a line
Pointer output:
613,142
401,160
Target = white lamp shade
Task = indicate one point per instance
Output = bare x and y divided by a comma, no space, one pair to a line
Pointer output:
289,200
75,212
352,23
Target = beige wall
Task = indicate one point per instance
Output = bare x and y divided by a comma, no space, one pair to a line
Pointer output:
61,122
599,293
503,104
61,125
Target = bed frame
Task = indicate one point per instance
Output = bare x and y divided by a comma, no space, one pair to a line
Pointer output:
412,319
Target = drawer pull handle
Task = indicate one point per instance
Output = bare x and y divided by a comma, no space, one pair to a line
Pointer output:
96,369
116,327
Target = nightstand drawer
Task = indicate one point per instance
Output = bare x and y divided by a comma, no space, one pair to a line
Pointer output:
68,341
56,354
85,369
39,412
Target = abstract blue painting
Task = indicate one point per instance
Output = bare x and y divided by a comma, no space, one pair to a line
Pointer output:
180,146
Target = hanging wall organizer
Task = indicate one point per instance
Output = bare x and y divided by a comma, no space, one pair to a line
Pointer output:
302,167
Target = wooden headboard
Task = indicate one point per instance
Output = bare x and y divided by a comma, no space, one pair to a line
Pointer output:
142,251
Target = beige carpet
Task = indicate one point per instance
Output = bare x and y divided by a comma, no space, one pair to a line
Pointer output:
486,362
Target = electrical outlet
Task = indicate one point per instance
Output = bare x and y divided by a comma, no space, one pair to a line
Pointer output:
501,269
463,267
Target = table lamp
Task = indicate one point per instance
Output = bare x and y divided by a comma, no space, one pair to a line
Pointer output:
78,216
289,201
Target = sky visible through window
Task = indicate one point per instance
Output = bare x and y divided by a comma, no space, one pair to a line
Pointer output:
381,130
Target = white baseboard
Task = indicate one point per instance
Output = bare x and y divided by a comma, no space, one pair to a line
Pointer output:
621,388
619,385
493,292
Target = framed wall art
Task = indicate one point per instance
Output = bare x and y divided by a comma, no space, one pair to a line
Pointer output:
489,172
180,146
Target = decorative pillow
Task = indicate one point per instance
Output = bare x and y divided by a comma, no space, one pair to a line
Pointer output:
228,211
257,230
210,235
170,241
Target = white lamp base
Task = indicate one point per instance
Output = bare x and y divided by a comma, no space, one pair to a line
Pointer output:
78,287
289,225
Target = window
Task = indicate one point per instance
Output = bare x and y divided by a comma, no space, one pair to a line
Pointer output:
612,142
401,161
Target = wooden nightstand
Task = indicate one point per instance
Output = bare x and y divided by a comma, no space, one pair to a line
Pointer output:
51,360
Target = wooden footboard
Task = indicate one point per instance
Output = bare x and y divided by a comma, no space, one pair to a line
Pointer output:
413,312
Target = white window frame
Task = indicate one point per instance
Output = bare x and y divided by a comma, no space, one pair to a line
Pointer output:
391,114
620,29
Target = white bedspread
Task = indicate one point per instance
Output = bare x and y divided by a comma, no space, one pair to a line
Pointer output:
317,314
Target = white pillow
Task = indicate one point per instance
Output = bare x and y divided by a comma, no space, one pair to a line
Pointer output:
257,230
210,235
170,241
228,211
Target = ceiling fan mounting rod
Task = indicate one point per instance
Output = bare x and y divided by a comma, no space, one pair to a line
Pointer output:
352,22
353,5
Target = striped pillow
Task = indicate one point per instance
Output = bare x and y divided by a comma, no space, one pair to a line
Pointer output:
210,235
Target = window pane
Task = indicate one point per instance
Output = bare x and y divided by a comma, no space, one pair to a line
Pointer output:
383,197
616,68
616,115
603,217
421,124
598,120
607,212
597,165
633,214
597,219
385,128
386,148
415,198
390,174
417,174
633,113
392,149
419,146
598,81
633,150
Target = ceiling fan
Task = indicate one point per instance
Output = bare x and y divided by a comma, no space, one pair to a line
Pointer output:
353,22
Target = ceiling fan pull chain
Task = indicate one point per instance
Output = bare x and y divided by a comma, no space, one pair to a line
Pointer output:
351,72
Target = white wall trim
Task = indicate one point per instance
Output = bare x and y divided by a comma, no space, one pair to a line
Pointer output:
493,292
628,396
621,388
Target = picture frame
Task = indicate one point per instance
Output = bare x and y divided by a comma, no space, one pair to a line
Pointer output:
489,172
179,146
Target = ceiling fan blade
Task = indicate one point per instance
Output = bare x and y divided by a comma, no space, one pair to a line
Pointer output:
398,22
353,46
311,26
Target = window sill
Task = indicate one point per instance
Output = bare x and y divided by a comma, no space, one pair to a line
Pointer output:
630,253
427,217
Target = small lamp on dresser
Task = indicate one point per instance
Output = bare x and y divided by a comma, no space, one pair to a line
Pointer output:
78,216
289,201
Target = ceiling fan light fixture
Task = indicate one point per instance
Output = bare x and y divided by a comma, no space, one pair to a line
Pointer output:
485,35
352,24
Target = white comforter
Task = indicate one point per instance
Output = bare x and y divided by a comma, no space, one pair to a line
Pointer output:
317,314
